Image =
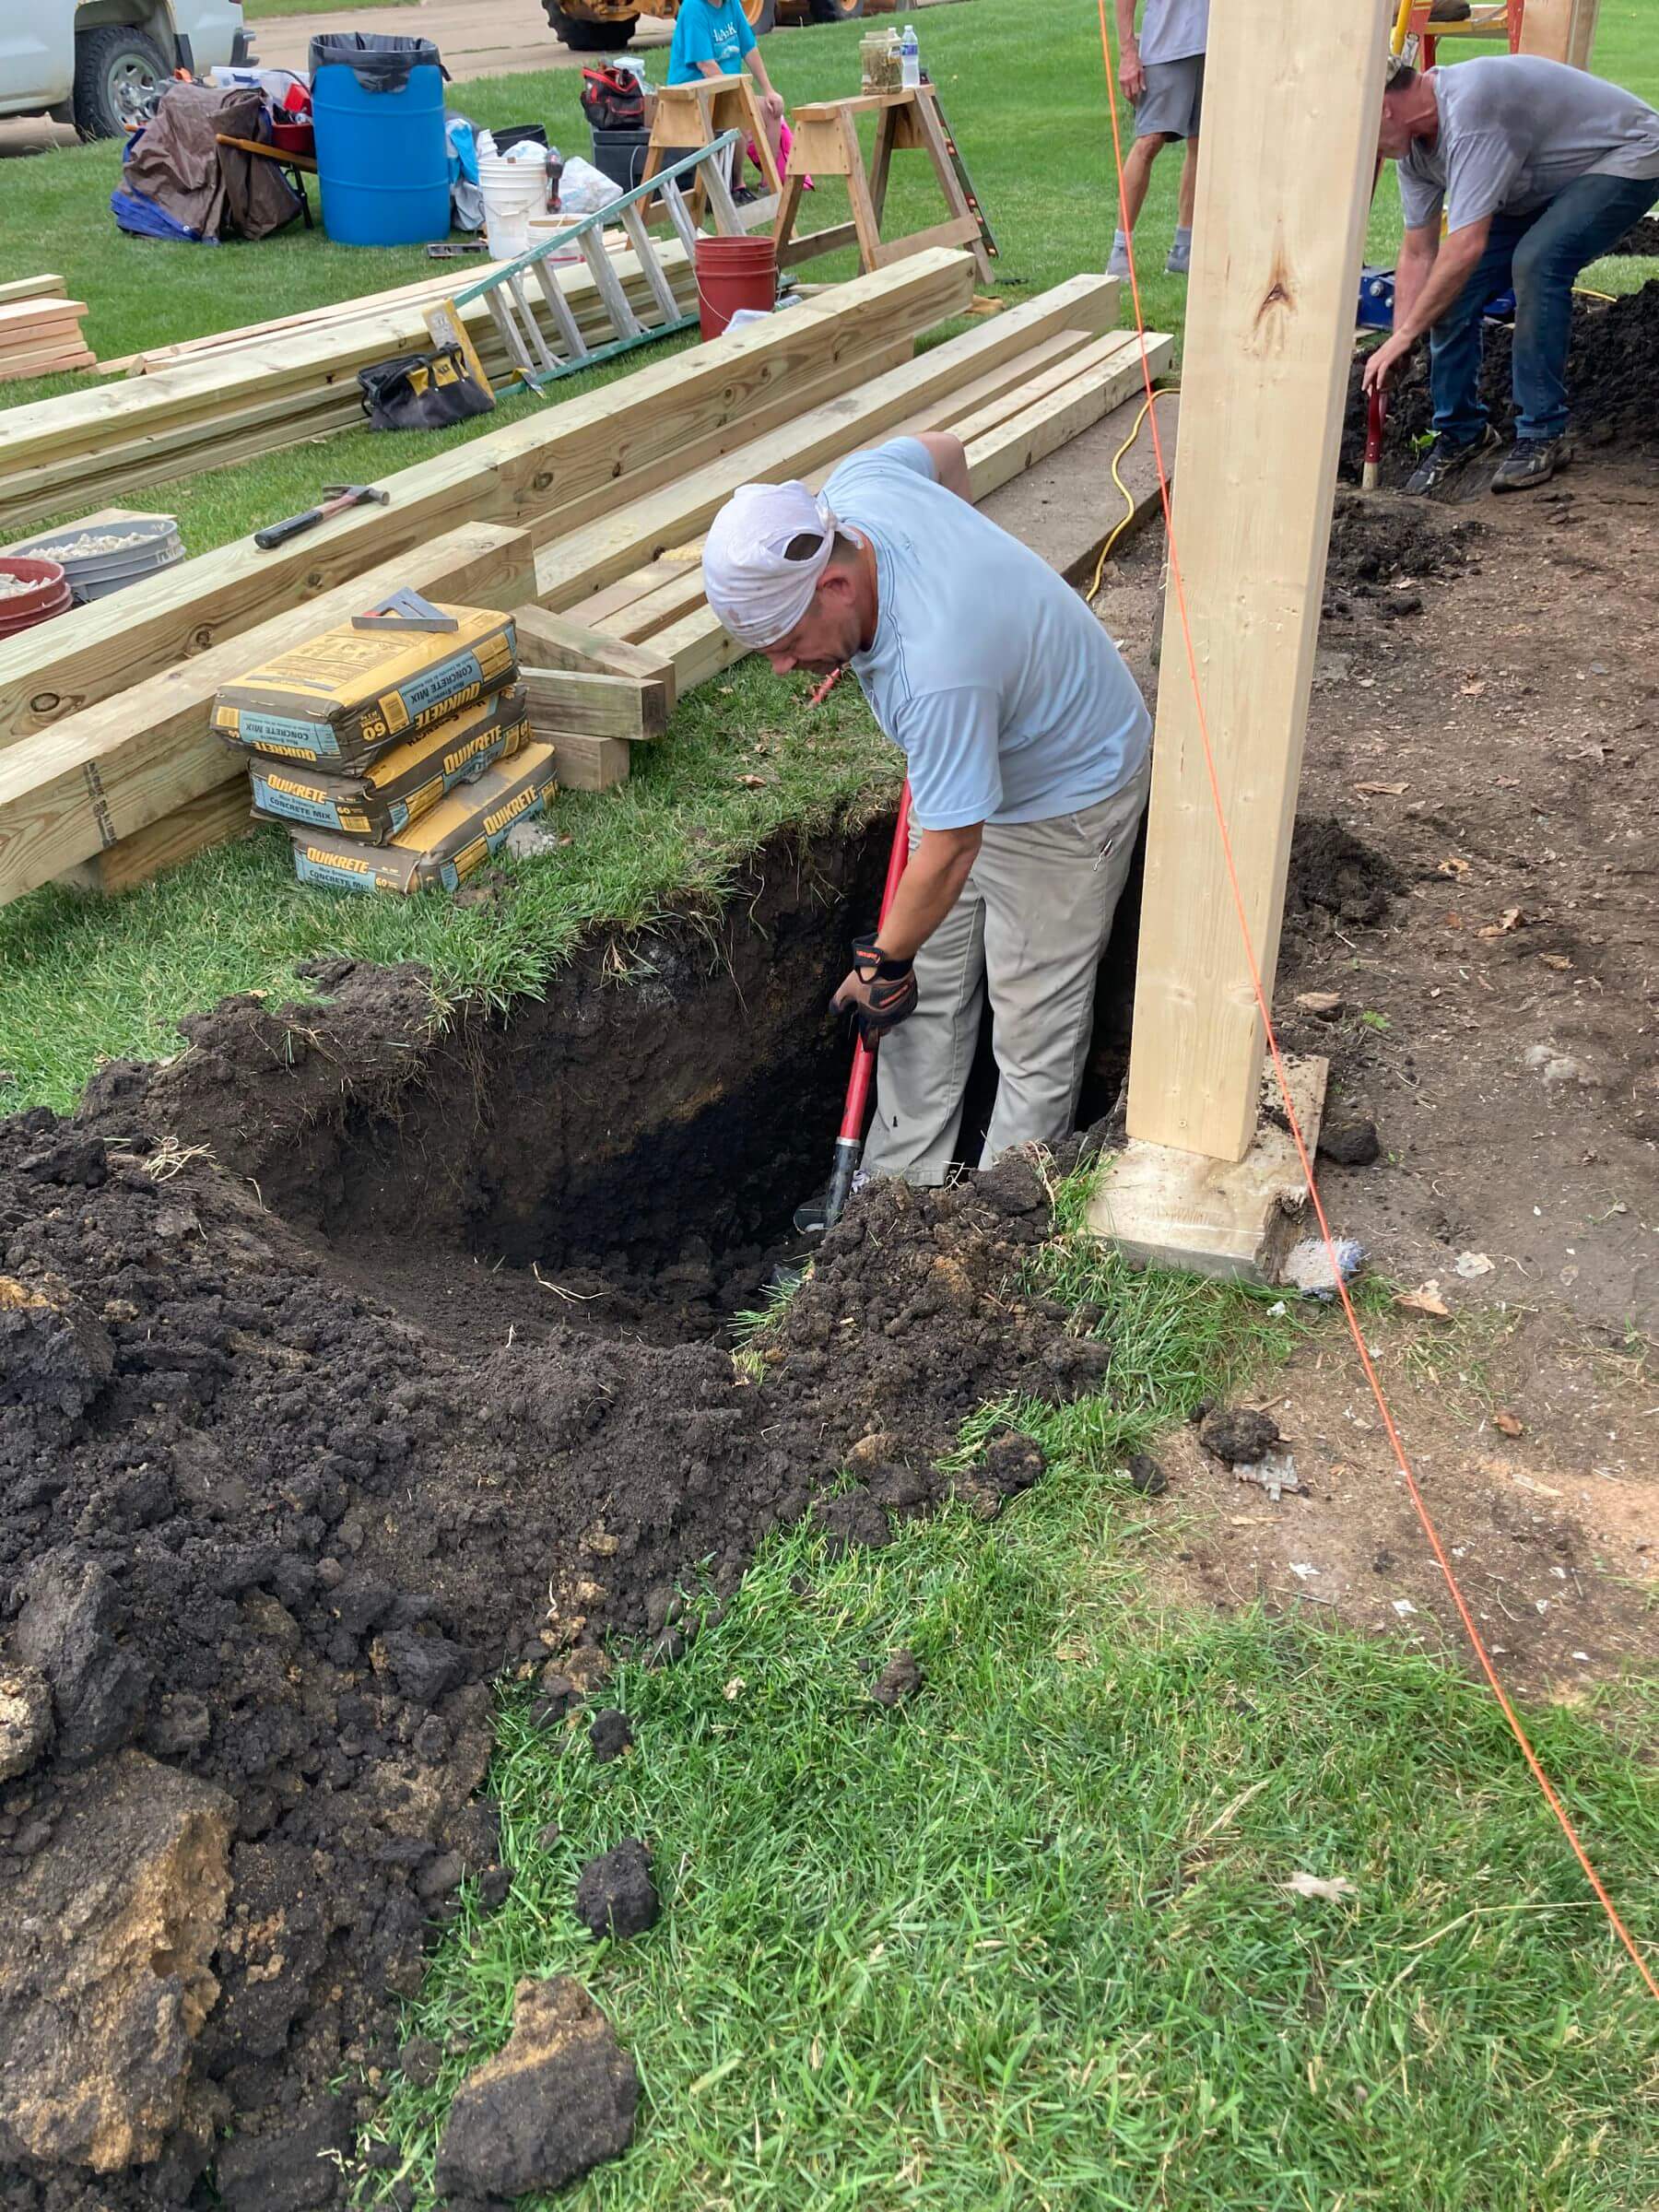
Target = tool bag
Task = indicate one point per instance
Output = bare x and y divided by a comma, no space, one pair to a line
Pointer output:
422,391
613,100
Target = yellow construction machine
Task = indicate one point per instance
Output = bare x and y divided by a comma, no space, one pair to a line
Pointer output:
604,26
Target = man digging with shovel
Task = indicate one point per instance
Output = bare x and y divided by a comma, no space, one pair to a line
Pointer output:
1027,744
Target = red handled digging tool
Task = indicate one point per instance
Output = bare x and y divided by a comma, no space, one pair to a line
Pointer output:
848,1144
1376,419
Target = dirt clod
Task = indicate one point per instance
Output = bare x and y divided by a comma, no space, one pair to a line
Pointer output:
901,1678
609,1735
420,2059
1241,1436
557,2099
615,1895
25,1718
105,1972
1146,1476
1351,1144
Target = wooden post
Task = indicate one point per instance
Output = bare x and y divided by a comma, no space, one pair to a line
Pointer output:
1561,31
1284,188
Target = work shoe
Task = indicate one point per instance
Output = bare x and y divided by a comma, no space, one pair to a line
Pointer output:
1180,263
1118,266
1447,459
1531,461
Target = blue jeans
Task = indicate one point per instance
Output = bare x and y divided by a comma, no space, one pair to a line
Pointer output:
1539,254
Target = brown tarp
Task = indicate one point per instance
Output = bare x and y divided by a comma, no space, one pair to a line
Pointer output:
210,188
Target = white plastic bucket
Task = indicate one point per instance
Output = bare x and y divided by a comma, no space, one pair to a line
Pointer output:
514,190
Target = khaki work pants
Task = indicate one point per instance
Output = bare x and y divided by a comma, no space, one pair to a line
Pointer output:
1028,931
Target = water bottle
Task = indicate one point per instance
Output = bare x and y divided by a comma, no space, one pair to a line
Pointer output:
910,60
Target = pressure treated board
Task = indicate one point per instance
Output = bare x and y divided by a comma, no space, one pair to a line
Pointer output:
67,793
700,649
1283,190
541,472
579,563
213,817
584,703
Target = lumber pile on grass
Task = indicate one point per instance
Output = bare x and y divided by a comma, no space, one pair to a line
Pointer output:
40,329
590,513
266,388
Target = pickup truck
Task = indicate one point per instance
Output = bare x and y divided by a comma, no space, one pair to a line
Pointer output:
100,64
604,26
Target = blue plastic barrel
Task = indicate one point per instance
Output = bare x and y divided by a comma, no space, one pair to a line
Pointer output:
383,157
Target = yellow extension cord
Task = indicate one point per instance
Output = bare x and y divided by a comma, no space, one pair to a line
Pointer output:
1164,391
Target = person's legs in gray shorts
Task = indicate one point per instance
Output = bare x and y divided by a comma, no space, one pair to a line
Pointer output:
1168,110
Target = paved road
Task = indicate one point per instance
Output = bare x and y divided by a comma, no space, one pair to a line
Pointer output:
477,38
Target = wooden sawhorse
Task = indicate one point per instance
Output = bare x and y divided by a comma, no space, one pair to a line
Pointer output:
826,145
690,116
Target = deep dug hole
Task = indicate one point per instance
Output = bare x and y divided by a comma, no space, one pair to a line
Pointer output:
274,1511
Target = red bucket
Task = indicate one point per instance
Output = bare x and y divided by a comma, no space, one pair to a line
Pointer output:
733,273
48,593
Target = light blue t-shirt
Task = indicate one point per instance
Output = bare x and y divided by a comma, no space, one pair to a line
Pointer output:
709,30
1008,699
1173,30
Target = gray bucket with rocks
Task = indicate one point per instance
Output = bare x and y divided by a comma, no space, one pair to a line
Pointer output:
101,557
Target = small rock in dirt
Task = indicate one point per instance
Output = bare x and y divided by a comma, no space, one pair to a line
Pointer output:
106,1946
1324,1006
421,2060
558,2098
901,1678
1350,1143
615,1895
1241,1436
25,1718
609,1735
1014,1461
1146,1476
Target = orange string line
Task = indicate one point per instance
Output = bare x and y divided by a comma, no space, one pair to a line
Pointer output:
1401,1460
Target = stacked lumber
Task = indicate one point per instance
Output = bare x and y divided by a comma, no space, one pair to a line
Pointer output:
40,329
602,501
107,723
206,410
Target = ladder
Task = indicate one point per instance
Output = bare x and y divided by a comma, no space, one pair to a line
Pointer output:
537,327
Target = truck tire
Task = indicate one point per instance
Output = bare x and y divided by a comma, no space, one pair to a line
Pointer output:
582,37
119,74
834,11
763,15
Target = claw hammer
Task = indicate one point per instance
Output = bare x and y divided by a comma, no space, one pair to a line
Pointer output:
335,498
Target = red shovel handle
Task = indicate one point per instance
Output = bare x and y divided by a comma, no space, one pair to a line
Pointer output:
864,1057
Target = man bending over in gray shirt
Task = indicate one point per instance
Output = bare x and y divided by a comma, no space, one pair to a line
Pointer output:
1540,169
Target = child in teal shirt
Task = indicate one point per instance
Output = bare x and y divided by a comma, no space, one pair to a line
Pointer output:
711,37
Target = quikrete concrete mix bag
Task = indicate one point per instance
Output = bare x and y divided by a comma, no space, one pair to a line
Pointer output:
401,785
446,844
346,695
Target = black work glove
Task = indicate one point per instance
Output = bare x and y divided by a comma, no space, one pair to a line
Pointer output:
879,993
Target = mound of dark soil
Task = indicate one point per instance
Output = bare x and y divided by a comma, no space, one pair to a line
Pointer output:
258,1525
1641,239
1334,873
1380,550
1612,384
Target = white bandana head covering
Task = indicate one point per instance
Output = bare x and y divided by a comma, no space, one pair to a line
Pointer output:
756,590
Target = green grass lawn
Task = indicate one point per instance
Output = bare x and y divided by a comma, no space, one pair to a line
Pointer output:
1025,1941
